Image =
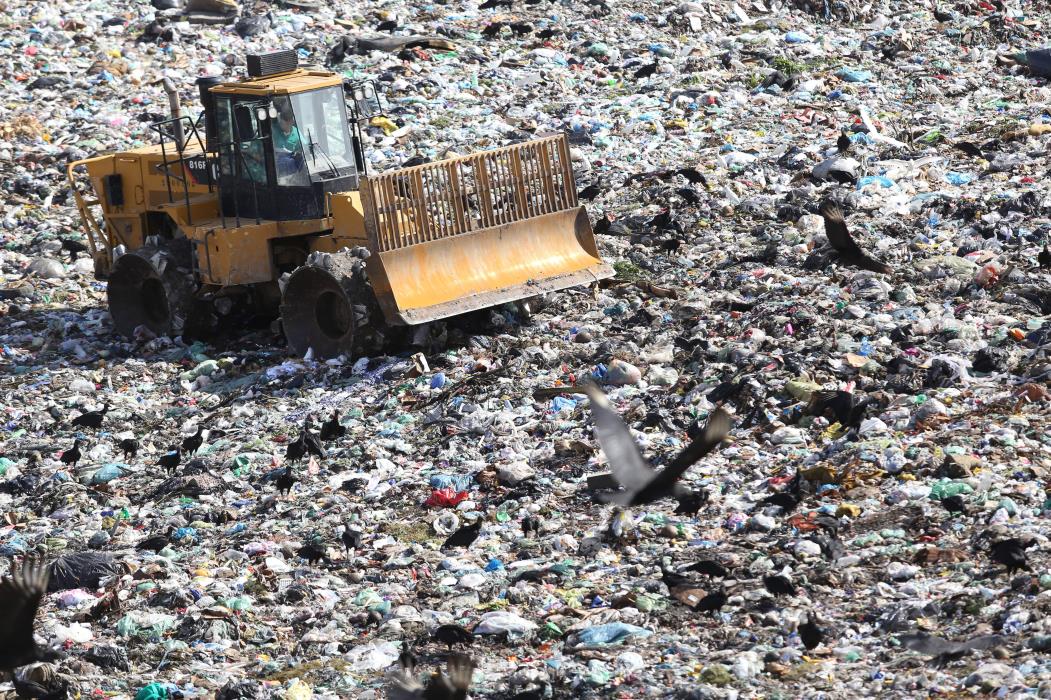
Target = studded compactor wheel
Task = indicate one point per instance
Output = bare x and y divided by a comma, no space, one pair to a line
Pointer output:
328,306
153,287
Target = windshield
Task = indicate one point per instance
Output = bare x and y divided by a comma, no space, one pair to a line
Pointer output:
321,118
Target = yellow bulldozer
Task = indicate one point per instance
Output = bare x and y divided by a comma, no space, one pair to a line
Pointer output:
273,206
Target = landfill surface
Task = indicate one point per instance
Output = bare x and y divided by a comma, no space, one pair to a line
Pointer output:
704,136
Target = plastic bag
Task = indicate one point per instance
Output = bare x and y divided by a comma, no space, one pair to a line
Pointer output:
81,570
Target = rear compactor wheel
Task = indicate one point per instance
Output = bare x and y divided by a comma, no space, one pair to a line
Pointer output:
148,287
327,304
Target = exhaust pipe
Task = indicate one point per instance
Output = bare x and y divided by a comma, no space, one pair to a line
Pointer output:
204,86
176,111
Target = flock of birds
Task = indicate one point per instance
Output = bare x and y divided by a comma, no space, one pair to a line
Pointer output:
639,483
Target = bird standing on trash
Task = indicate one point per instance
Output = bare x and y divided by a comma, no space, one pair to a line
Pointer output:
843,143
779,585
72,455
713,602
313,553
1043,258
193,443
306,443
530,526
351,538
451,635
155,543
295,450
20,595
170,460
788,499
91,419
1010,553
73,248
954,504
810,633
130,447
690,502
285,480
647,70
844,406
332,428
463,537
710,568
250,25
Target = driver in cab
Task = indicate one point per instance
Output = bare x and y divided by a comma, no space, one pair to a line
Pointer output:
288,147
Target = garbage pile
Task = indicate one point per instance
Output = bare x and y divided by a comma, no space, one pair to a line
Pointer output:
830,226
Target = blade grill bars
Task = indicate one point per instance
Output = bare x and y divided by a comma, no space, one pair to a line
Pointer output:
458,195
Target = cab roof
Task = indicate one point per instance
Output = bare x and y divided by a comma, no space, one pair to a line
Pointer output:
295,81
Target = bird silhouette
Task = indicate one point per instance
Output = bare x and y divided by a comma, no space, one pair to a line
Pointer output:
1010,553
91,419
779,585
688,195
591,191
673,580
295,450
647,70
313,552
942,15
642,484
842,242
693,176
709,568
130,447
308,443
451,635
20,595
810,633
332,428
954,504
712,603
843,143
285,480
454,684
252,25
844,406
193,443
1043,258
787,501
170,460
464,536
351,538
155,543
690,502
530,526
72,455
521,28
73,248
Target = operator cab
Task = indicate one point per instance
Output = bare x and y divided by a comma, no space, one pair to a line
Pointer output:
281,140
